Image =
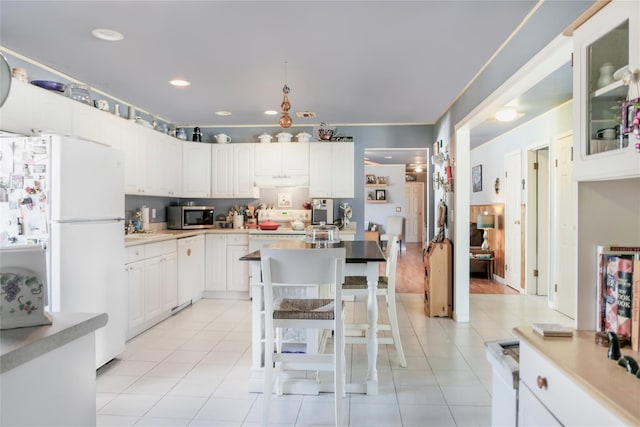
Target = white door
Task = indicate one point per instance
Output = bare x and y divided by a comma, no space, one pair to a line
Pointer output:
414,203
566,289
512,226
538,223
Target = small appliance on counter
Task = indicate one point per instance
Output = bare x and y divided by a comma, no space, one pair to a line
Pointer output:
322,211
190,217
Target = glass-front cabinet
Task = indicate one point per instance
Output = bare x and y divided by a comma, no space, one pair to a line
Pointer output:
606,68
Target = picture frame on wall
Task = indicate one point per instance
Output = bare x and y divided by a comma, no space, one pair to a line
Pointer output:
381,195
476,178
371,179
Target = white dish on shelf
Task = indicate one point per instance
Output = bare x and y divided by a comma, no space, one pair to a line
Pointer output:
623,74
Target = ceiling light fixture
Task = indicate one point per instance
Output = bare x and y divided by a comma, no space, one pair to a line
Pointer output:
179,83
285,119
107,35
271,112
506,115
223,113
388,157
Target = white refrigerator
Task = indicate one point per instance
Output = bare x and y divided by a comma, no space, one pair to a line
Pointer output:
81,191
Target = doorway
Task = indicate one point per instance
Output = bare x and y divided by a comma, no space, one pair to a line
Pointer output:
513,220
414,224
537,253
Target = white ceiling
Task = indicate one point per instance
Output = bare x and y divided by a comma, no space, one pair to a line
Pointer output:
350,62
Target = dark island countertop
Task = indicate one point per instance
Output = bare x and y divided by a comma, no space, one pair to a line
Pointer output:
357,251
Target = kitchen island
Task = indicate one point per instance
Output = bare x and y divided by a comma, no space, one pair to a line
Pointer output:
572,381
47,373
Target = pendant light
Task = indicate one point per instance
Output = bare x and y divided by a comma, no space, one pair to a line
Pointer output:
285,119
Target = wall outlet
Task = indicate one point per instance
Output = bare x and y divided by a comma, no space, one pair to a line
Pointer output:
398,209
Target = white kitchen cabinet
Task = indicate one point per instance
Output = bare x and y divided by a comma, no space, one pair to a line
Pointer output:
331,171
608,41
191,268
30,109
232,174
226,275
280,164
136,286
196,169
152,280
532,413
135,145
216,265
165,165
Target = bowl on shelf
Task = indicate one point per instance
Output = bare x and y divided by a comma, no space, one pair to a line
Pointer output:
48,84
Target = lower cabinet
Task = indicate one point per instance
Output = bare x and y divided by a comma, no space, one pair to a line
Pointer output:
152,280
438,287
191,261
225,274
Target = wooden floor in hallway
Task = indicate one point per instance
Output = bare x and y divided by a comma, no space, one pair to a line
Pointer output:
410,275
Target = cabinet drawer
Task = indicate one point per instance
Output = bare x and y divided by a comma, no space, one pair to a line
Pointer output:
160,248
554,396
135,253
238,239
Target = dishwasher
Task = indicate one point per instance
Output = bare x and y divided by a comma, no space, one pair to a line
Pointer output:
504,356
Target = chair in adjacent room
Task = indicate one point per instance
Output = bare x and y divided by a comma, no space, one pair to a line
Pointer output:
357,286
393,227
321,267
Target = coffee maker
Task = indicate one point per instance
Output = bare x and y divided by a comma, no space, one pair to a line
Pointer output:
322,211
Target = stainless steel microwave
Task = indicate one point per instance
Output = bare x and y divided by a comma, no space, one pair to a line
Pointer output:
190,217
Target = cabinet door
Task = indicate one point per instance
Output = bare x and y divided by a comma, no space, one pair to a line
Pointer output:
531,412
154,288
51,111
268,159
196,169
222,170
606,43
243,170
134,145
342,170
320,175
136,282
295,158
216,262
165,165
170,280
237,271
191,263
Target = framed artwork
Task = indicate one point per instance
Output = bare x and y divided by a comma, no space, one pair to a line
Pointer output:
381,194
370,196
371,179
382,180
284,200
476,178
629,112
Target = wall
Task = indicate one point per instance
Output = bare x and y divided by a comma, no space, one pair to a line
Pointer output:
395,194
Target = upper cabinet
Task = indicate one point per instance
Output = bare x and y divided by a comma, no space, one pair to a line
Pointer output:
605,47
282,164
331,172
232,171
30,109
196,169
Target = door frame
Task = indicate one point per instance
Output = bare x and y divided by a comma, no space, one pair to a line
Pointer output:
532,215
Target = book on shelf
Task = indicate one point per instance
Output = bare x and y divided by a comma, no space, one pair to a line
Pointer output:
552,330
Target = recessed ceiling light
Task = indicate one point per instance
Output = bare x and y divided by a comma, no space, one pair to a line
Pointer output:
179,83
107,34
388,157
271,112
223,113
506,115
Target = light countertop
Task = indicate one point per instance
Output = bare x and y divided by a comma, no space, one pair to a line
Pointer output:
586,363
165,234
21,345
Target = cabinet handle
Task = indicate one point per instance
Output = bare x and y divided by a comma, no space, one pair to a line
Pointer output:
542,382
189,252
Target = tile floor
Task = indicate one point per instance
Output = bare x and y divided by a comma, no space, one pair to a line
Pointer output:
193,368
